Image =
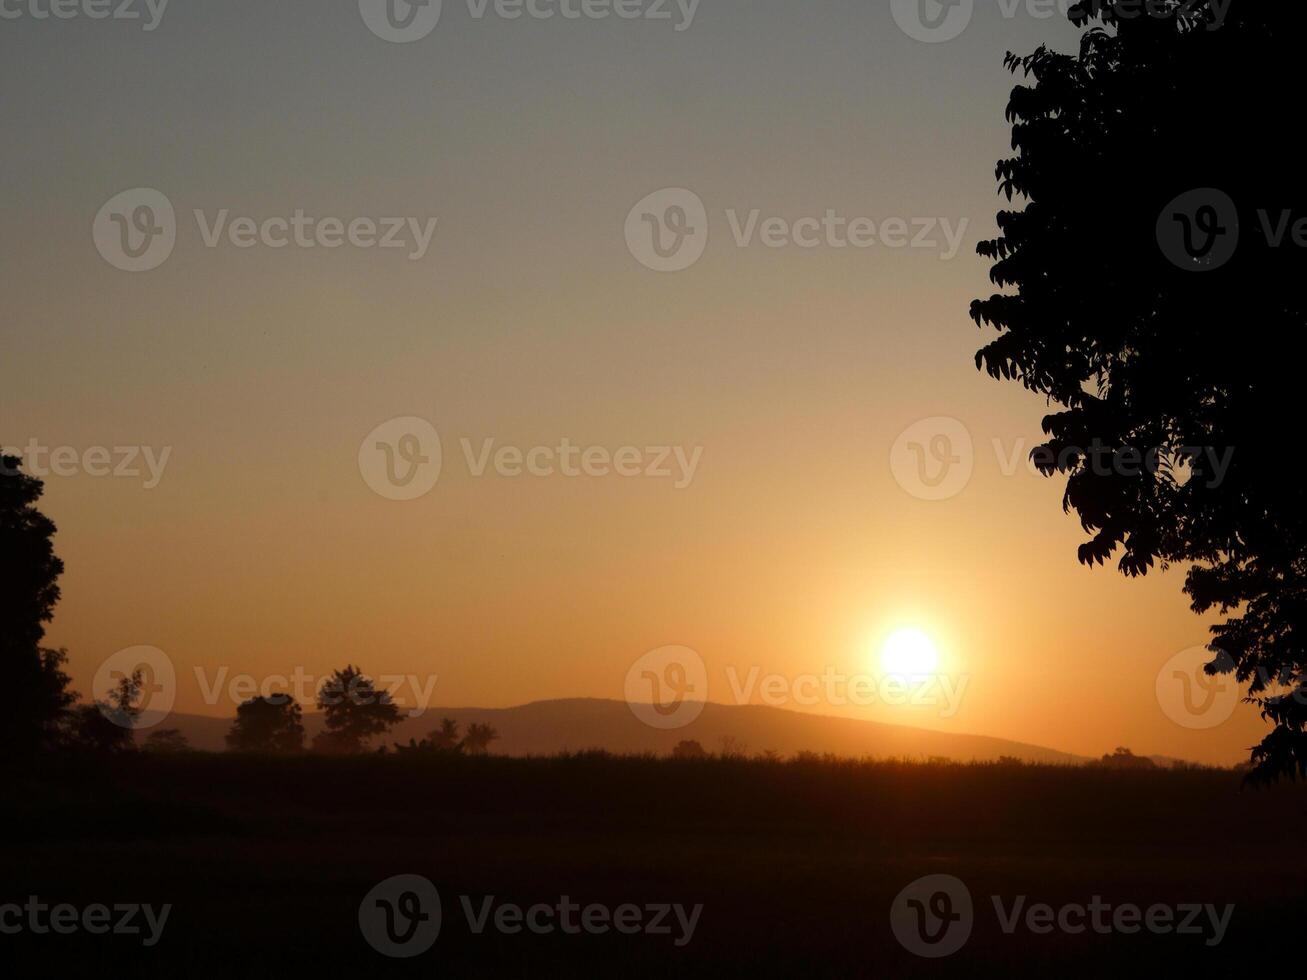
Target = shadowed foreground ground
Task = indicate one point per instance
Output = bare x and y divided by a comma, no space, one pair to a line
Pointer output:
266,861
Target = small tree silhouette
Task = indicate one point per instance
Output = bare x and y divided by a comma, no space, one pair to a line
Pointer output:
445,738
478,738
270,724
354,711
108,725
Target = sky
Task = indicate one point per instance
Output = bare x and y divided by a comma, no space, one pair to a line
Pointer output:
770,391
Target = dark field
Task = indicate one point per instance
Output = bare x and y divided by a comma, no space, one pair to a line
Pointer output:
266,862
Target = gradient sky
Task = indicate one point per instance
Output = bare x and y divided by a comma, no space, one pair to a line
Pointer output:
529,321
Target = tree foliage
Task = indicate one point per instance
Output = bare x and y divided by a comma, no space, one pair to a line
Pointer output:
354,711
267,724
109,724
29,590
445,738
478,738
1139,353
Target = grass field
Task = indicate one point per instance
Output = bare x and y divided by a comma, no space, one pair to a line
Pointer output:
796,864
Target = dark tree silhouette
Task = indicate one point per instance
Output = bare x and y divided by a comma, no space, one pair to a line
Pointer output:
108,725
269,724
478,738
45,719
29,574
446,736
354,711
1162,362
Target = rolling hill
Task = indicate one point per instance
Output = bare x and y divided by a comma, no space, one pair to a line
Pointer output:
548,727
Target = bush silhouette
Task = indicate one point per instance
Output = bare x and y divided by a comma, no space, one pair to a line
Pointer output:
688,749
441,741
166,740
1123,758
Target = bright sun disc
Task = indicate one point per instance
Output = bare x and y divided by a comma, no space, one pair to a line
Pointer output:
909,652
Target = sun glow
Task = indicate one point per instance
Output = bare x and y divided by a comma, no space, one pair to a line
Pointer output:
910,653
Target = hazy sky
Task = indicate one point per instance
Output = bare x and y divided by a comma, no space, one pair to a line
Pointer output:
527,320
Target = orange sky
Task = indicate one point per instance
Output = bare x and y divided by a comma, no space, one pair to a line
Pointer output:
793,550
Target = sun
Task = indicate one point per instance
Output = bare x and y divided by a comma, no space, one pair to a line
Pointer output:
910,653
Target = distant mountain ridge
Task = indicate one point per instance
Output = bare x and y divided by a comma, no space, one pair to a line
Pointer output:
577,724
